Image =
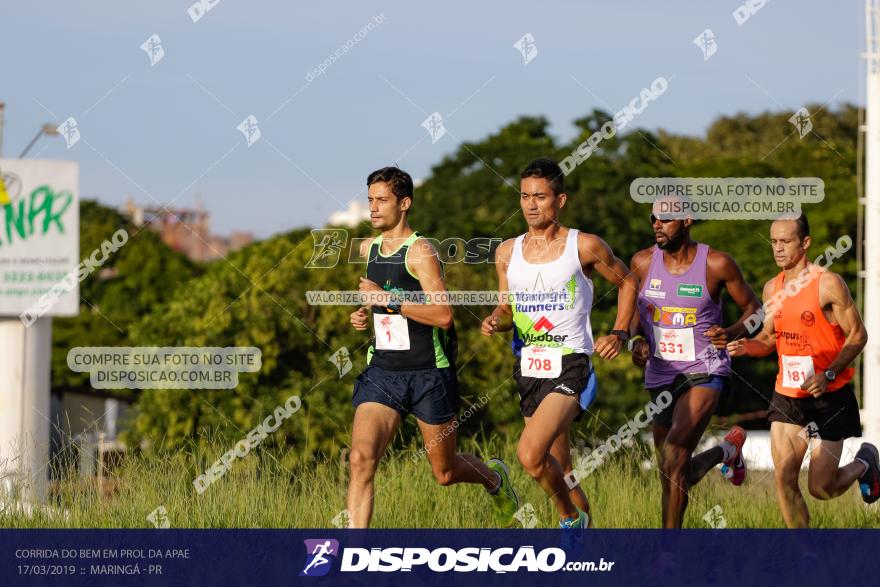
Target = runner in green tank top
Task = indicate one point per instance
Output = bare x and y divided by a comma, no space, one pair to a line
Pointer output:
411,363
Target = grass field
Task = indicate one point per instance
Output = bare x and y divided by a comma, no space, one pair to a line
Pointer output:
261,492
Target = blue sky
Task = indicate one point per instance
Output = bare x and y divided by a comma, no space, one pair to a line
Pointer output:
169,131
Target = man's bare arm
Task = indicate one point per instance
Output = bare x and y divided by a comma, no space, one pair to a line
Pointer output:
764,343
833,291
425,265
595,253
639,265
501,318
726,269
600,256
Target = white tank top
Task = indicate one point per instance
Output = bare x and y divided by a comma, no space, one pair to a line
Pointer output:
551,301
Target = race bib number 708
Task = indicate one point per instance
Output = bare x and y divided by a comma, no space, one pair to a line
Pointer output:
541,362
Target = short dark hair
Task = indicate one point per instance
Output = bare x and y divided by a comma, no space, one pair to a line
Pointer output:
548,169
803,226
400,181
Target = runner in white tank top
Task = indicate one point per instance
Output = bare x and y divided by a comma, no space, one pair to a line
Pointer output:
551,301
546,273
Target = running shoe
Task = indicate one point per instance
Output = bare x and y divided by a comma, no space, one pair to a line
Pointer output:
734,469
581,522
573,529
869,483
505,502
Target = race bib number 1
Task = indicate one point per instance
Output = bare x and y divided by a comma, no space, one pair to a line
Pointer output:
674,344
392,332
796,370
541,361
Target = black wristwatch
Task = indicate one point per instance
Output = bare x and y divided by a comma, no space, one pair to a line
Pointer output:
830,375
623,335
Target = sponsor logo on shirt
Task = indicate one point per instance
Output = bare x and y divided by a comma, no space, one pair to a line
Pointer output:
543,324
546,337
673,316
690,290
791,336
654,291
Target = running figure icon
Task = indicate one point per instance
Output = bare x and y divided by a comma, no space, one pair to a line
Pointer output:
318,553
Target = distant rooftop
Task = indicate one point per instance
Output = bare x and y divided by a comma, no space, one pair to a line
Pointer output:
356,213
187,230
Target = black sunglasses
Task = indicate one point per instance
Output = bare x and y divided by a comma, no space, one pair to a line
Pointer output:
663,220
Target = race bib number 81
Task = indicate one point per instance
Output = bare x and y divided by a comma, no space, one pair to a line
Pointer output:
541,362
796,370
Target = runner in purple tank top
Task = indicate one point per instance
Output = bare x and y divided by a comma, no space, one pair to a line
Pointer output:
677,309
684,353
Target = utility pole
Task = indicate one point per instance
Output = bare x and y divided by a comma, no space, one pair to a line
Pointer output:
871,358
2,108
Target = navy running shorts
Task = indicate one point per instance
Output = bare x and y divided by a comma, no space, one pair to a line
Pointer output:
431,395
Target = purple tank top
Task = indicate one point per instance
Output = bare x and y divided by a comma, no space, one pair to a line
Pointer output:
674,311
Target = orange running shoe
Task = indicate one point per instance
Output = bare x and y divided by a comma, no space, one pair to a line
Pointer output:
734,469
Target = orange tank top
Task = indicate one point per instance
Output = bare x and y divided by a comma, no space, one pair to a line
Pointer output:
806,342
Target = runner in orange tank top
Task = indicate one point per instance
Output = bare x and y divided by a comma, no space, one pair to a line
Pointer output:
807,342
812,323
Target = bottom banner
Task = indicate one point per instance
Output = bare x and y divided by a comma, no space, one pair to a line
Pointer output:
434,557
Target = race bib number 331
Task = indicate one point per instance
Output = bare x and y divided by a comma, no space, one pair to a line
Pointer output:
674,344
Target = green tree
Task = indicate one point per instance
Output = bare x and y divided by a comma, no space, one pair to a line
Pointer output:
257,298
141,275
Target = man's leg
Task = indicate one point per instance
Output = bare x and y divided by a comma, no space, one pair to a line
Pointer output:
725,451
690,418
561,451
660,433
788,448
374,426
552,417
703,463
827,479
450,467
